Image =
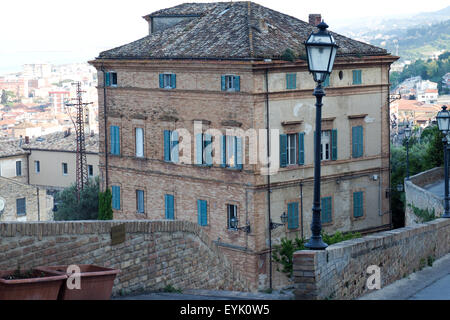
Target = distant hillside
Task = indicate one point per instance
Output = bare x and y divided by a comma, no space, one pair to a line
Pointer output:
416,42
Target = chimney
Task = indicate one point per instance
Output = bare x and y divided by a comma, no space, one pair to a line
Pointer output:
315,18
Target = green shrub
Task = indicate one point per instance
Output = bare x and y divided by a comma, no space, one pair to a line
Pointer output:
105,211
288,55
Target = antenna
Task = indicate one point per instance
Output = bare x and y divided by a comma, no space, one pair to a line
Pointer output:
82,170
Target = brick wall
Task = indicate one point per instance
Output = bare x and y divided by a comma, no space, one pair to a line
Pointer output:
340,271
154,255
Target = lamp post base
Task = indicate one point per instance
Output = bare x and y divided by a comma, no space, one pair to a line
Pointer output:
446,215
316,243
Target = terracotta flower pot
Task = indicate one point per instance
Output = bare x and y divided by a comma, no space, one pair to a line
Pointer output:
96,282
36,288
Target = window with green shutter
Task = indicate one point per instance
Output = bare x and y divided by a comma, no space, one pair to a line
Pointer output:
358,204
283,150
334,144
293,215
357,76
167,80
357,142
291,80
326,206
230,83
326,83
115,140
110,79
171,142
301,148
21,207
169,206
202,211
115,190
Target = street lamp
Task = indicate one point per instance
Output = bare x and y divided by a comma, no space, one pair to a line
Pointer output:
443,120
407,135
234,222
283,218
321,51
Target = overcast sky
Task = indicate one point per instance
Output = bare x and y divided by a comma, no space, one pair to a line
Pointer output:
56,31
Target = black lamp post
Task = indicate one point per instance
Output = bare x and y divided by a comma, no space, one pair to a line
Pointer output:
321,51
407,135
443,120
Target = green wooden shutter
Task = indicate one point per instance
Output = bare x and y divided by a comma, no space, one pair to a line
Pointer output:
283,150
239,155
107,79
202,211
223,151
361,141
198,148
169,200
334,144
293,215
237,83
358,204
115,197
173,81
357,141
161,80
222,82
357,79
167,145
115,140
301,148
326,83
326,209
208,150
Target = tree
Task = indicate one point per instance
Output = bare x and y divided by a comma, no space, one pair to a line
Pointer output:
7,97
105,211
69,208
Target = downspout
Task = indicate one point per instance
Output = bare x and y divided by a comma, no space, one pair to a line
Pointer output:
301,208
28,167
268,176
106,129
38,205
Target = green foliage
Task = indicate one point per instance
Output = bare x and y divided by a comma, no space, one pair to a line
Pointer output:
424,214
105,211
7,97
69,208
284,252
424,154
432,70
172,289
288,55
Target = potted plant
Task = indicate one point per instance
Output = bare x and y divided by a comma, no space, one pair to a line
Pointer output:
96,282
30,284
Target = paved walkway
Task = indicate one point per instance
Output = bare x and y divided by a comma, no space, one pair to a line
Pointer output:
437,188
431,283
211,295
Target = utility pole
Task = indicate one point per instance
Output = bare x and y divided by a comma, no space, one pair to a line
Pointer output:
79,123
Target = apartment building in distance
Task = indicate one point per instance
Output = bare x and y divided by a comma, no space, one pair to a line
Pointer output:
220,66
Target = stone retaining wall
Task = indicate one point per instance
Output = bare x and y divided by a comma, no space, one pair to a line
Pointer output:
155,253
340,271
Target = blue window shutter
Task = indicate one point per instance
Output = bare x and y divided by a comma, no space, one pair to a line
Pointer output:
361,141
334,144
140,196
107,79
199,212
115,197
167,135
293,215
174,146
358,204
208,150
357,77
173,81
223,83
117,140
161,80
326,209
223,152
288,86
326,83
169,199
237,83
112,139
301,148
202,210
239,155
198,148
354,142
283,150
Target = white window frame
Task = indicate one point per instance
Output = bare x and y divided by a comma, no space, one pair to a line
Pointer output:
229,86
167,80
325,148
67,169
292,148
139,144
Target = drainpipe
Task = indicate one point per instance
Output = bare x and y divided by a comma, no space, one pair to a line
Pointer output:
38,205
106,129
301,208
268,176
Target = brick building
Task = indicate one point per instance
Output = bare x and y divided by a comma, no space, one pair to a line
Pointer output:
220,66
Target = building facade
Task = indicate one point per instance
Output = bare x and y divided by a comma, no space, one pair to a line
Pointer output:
184,116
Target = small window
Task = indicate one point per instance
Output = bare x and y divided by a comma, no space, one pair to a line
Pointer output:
358,204
231,83
293,215
21,207
110,79
292,148
341,75
115,190
326,204
90,170
140,201
167,81
291,81
139,142
202,212
65,169
19,168
231,213
37,166
357,77
325,145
